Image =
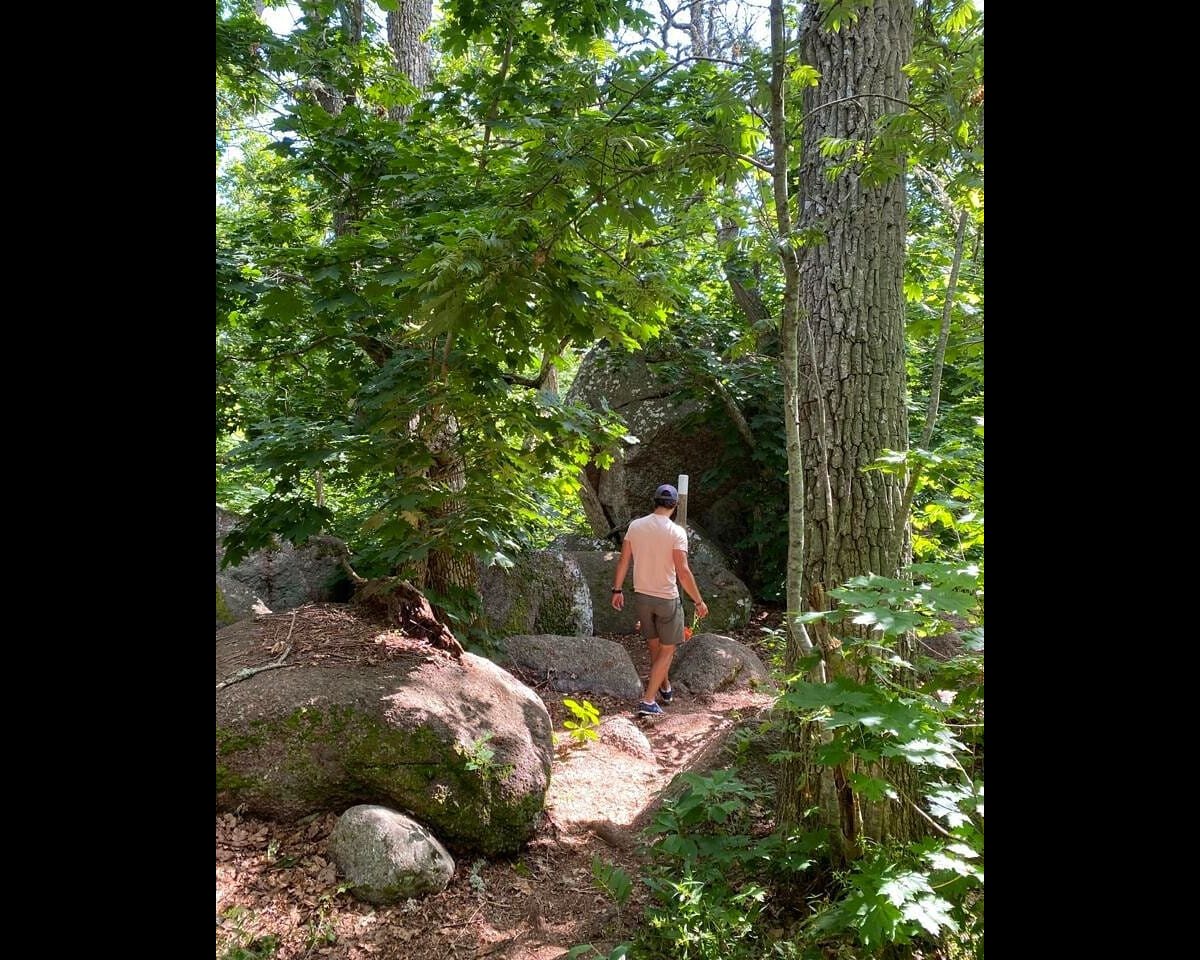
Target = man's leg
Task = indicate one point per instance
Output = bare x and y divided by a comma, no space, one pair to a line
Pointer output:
654,645
660,666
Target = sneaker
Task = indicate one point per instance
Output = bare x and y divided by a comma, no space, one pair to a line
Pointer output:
648,709
666,696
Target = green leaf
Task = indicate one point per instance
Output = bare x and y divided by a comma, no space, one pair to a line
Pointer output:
932,913
283,305
871,788
891,622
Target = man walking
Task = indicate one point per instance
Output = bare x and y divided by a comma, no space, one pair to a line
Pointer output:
658,549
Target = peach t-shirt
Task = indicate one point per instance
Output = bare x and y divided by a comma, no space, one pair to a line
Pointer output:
653,538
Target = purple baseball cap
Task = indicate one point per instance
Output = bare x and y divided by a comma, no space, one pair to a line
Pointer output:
666,495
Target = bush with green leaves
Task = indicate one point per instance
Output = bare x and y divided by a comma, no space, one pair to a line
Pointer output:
587,951
704,877
612,880
716,883
927,714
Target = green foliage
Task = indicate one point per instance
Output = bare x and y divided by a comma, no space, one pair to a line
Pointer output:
932,721
481,758
947,519
587,951
478,754
923,710
704,920
320,929
374,355
238,488
585,727
389,298
260,948
887,904
478,884
708,901
611,879
246,944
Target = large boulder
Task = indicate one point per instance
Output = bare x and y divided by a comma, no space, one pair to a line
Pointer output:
282,576
543,592
236,601
573,664
709,662
729,601
671,436
728,598
386,856
461,745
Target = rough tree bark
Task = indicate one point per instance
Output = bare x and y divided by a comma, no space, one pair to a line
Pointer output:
850,286
847,347
406,25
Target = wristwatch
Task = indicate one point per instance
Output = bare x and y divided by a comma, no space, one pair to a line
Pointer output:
618,590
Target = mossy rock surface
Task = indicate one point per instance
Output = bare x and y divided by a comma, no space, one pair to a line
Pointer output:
542,592
462,746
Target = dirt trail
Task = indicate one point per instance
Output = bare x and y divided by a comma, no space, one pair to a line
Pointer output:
276,884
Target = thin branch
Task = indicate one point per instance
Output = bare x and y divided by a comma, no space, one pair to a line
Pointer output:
595,246
933,823
935,388
543,372
883,96
247,672
734,411
628,103
494,108
279,356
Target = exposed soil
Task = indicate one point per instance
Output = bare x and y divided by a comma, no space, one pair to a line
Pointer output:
278,892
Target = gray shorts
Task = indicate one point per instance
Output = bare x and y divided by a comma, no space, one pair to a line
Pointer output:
660,618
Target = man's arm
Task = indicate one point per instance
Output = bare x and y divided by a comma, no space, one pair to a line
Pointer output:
684,573
618,598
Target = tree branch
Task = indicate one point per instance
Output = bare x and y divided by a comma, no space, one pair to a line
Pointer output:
279,356
883,96
935,387
248,672
537,382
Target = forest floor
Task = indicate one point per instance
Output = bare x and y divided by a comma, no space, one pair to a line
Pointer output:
278,895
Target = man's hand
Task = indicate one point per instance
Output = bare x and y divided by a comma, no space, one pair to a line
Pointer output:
702,609
618,601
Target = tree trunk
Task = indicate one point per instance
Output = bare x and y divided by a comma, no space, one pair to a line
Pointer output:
842,353
851,353
405,27
446,570
796,787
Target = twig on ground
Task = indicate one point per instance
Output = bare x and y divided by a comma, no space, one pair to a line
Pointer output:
248,672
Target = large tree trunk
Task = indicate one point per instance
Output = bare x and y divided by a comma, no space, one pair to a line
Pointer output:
446,570
851,350
842,352
406,25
